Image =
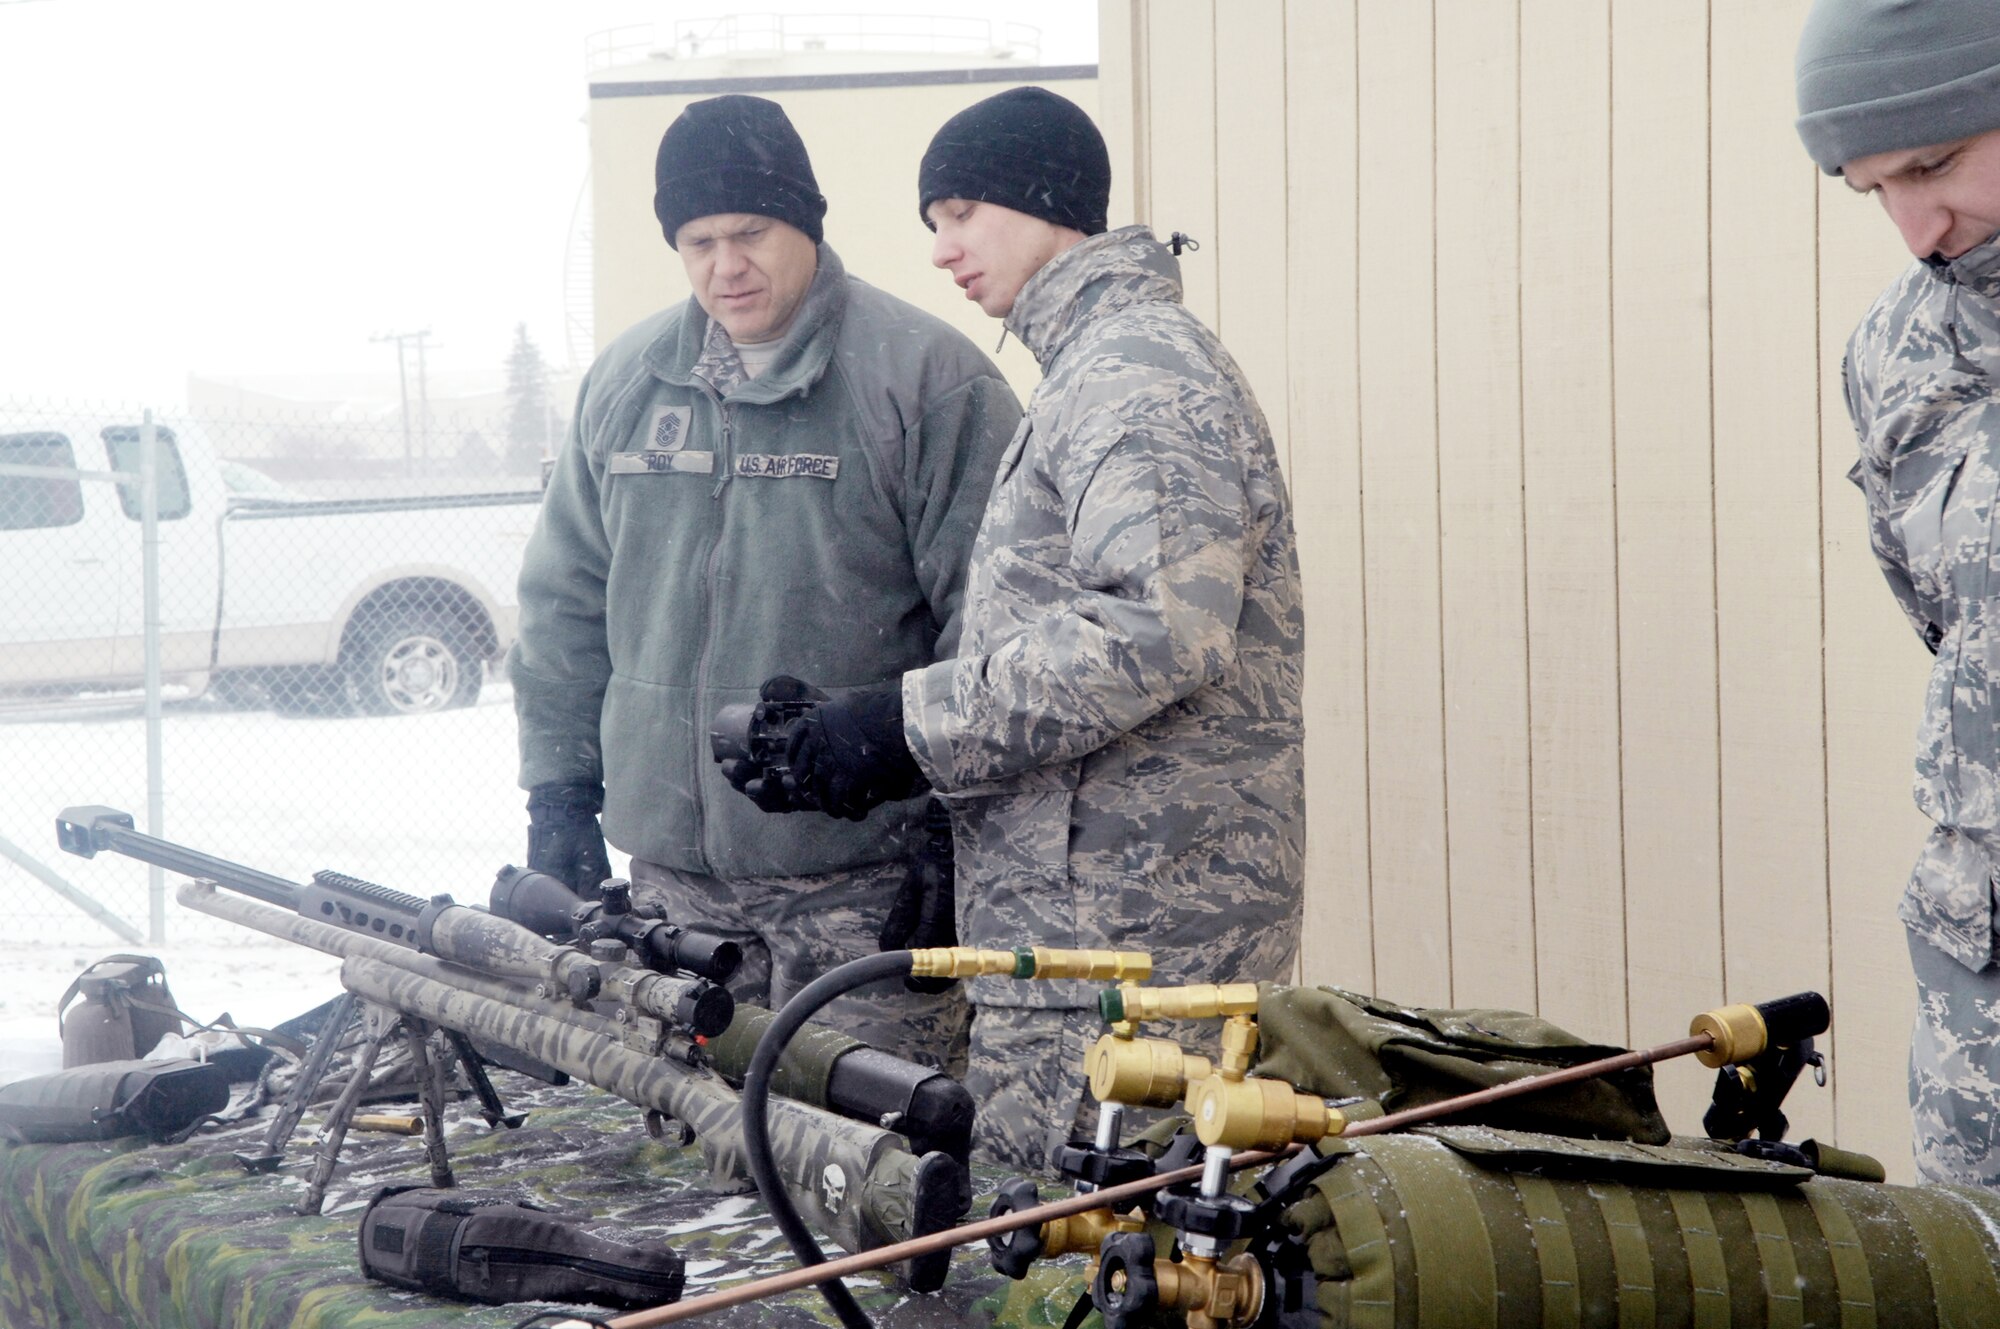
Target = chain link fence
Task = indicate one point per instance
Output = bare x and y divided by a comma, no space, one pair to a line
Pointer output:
332,600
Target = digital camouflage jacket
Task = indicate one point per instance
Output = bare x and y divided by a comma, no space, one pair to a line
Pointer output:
1922,390
704,531
1120,738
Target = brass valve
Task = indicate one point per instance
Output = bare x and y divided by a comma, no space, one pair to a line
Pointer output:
1249,1113
1085,1231
1742,1033
1199,1001
1141,1072
1738,1032
1030,962
1213,1294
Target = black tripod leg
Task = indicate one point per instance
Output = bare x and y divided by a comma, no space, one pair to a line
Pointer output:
430,1093
490,1106
379,1024
312,1071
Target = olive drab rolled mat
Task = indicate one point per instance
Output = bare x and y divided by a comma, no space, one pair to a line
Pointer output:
1503,1225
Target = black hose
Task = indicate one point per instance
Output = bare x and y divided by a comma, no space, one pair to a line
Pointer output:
756,1100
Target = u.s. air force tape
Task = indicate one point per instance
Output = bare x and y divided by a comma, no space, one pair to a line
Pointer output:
784,465
653,461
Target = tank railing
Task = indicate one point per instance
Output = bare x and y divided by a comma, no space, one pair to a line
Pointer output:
787,34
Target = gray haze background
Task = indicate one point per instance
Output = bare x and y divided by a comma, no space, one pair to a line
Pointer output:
228,187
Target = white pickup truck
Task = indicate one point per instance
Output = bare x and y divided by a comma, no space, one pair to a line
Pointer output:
387,605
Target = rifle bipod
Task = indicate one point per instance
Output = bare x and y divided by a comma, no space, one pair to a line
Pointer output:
430,1067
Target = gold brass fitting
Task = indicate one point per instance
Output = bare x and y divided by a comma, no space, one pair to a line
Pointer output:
1259,1114
1141,1072
1225,1295
1199,1001
1029,962
1738,1032
1085,1231
1239,1047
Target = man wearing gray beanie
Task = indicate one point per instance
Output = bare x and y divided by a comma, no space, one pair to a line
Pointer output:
1902,98
780,475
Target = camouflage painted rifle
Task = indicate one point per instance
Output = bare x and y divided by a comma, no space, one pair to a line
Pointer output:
416,968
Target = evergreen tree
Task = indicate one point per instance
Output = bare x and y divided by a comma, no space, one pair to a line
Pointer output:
527,404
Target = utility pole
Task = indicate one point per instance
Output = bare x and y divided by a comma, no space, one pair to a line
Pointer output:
403,383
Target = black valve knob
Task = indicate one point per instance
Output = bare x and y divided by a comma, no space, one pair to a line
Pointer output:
1086,1164
1125,1286
1225,1217
1012,1252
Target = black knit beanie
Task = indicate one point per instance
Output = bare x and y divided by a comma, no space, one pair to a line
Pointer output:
735,154
1025,149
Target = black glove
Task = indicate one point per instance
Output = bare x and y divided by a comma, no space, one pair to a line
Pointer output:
563,836
752,780
924,913
849,753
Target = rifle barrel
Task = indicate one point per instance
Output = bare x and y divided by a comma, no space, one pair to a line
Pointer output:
86,830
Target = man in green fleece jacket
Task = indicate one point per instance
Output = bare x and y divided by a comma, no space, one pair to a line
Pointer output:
781,476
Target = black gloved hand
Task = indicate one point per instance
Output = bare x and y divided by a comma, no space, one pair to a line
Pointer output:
849,753
563,836
752,780
925,910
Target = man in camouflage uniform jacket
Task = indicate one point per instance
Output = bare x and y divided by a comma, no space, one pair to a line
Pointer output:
1119,739
1904,101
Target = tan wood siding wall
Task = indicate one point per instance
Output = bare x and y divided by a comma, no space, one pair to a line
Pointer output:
1609,714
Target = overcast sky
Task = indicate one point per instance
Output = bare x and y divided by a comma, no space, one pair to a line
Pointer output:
259,186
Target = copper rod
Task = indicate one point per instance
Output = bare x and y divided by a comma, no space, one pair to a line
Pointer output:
1108,1198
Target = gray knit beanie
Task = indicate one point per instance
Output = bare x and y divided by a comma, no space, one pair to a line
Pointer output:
1889,75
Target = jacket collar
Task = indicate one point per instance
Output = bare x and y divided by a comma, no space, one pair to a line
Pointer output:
1104,274
1976,270
802,358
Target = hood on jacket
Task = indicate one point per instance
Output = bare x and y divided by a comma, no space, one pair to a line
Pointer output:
1104,274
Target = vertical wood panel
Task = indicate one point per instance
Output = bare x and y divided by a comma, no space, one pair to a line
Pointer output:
1250,224
1121,106
1876,672
1181,174
1399,496
1322,249
1481,560
1666,595
1571,530
1767,521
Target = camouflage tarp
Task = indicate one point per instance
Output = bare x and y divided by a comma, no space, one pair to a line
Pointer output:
130,1236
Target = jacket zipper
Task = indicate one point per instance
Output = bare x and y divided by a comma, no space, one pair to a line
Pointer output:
724,462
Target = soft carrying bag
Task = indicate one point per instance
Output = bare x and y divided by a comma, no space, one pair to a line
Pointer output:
497,1249
1340,1044
160,1099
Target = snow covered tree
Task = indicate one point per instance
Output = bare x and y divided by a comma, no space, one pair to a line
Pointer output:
527,404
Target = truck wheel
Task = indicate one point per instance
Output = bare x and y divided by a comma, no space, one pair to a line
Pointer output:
412,661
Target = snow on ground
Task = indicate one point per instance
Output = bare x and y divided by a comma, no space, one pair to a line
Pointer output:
425,804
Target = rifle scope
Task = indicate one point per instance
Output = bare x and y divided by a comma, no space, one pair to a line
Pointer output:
546,905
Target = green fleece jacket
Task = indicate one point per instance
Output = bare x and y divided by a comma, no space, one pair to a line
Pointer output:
813,521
